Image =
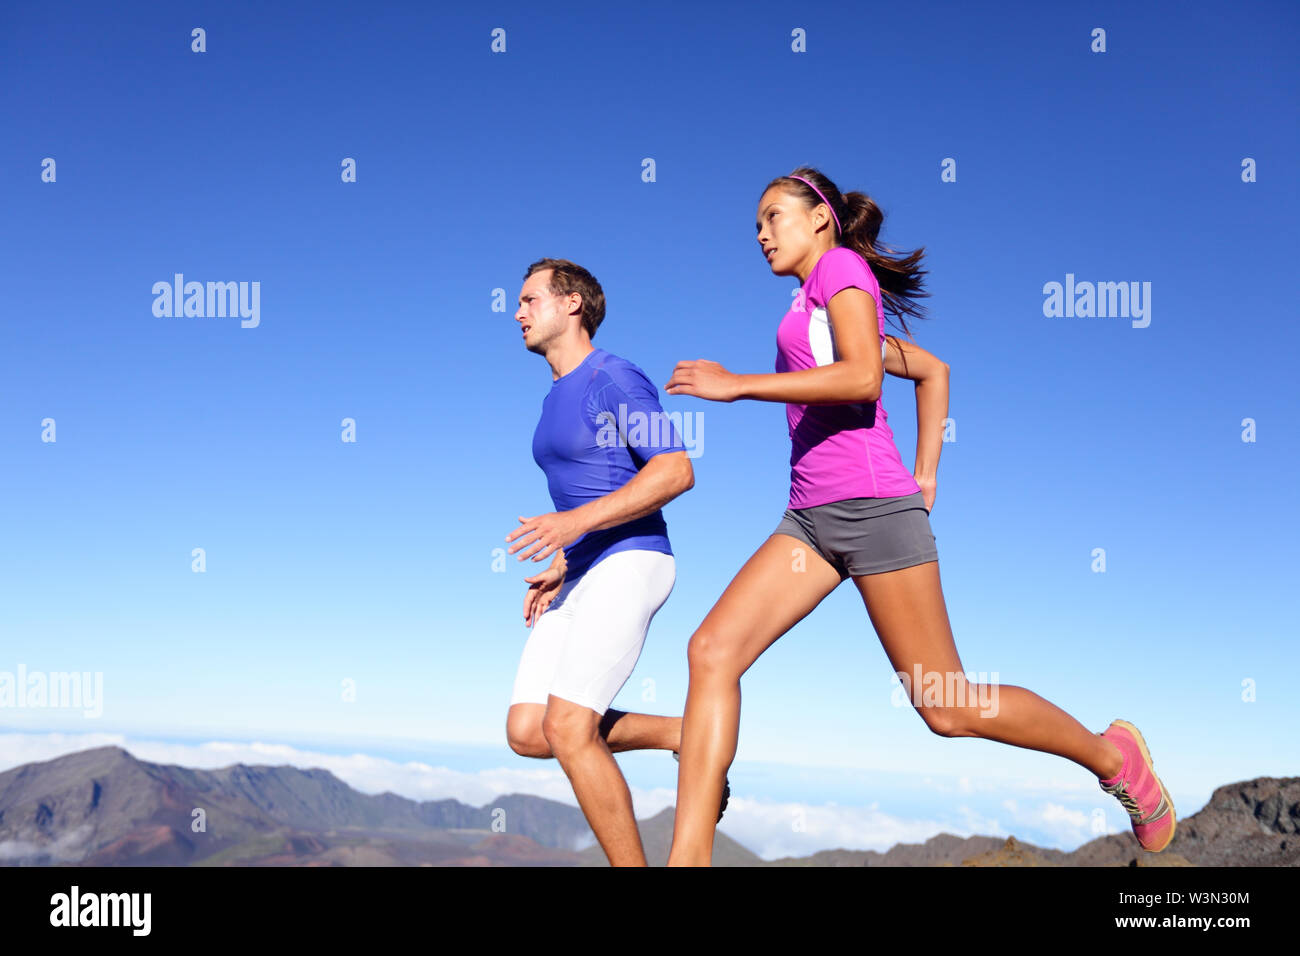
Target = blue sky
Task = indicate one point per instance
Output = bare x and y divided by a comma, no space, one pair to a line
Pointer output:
372,561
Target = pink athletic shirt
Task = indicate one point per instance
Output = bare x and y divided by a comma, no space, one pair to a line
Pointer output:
836,451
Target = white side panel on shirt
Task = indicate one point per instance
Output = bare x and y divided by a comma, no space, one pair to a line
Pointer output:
821,337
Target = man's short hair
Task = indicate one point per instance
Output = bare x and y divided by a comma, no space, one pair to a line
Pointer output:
567,277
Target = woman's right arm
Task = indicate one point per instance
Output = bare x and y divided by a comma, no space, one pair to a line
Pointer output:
906,360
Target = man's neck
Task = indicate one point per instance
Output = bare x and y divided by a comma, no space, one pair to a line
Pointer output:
567,356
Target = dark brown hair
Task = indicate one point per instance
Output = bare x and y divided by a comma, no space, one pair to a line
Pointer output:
899,276
569,277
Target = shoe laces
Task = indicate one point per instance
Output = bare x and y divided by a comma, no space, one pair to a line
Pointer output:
1120,790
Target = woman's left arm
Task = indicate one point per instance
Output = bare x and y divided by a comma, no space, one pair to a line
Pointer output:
905,360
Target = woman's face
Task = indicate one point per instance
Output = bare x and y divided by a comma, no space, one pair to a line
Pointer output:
787,231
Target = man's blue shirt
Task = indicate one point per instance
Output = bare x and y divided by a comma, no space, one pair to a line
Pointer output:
600,424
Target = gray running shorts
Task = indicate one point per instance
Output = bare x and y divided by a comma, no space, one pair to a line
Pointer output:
865,535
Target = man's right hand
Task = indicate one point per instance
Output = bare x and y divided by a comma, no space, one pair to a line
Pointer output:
543,588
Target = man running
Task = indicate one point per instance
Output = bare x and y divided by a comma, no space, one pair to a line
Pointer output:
612,460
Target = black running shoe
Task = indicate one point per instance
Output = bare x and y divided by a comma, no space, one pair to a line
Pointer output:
726,790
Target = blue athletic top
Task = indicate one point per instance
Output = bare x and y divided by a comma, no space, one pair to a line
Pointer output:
600,424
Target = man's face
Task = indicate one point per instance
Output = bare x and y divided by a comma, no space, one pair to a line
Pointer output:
542,316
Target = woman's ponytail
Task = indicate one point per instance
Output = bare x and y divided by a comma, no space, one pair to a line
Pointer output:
900,277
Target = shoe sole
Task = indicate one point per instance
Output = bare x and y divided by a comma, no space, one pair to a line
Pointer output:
726,791
1146,755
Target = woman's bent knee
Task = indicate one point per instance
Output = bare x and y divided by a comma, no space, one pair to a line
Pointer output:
709,655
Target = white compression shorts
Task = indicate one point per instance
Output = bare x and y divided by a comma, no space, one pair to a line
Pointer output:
583,648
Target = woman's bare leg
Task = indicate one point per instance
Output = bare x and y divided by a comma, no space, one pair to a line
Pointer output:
910,617
783,581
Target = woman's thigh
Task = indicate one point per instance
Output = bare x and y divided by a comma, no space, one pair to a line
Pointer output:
907,609
777,588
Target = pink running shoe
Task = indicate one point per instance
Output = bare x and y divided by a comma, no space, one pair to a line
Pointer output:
1139,789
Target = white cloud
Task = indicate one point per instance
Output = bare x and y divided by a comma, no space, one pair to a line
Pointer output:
67,848
1069,827
990,783
1055,813
1066,827
18,749
774,829
977,823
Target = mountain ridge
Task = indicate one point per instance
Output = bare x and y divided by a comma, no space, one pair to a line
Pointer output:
105,807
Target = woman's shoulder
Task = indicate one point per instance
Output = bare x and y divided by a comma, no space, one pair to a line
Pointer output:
840,267
850,257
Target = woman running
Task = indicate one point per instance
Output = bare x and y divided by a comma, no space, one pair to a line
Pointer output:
855,511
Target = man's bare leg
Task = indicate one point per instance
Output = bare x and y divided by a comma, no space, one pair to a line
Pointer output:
573,732
620,730
625,731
